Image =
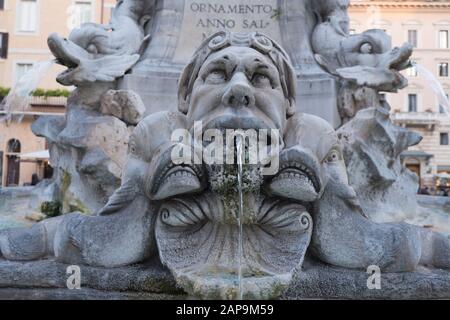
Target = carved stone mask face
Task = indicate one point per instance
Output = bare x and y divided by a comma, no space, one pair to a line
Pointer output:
227,241
238,88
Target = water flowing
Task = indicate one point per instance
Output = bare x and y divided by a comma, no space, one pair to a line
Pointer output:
435,85
240,160
16,102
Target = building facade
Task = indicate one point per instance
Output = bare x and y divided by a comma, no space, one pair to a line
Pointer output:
426,25
25,25
24,28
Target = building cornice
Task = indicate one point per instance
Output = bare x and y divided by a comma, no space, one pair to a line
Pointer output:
400,4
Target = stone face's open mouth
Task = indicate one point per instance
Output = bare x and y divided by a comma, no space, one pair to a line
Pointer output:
298,170
398,58
176,180
295,183
60,49
298,177
67,54
235,122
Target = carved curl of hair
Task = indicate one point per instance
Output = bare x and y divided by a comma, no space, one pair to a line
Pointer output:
256,41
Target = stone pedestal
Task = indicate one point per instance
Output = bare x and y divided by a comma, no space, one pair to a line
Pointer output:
179,27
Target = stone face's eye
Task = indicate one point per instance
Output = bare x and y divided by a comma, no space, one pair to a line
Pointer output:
366,48
261,80
333,156
216,76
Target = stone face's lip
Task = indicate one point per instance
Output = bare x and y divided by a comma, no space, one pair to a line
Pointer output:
235,121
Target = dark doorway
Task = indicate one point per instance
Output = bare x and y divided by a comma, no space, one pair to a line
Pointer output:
48,171
12,179
13,163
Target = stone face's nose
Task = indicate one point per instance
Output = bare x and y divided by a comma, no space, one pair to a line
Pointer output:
239,92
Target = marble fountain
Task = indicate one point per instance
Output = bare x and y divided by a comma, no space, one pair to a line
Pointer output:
152,211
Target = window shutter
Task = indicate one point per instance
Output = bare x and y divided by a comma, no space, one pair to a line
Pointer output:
4,45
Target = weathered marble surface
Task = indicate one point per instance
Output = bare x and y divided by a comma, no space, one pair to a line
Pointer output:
87,150
372,149
319,281
82,294
124,105
150,277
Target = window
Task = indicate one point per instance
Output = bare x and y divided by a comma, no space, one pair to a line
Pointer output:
27,16
21,69
83,12
444,139
412,37
443,69
3,45
2,6
443,39
412,102
14,146
13,164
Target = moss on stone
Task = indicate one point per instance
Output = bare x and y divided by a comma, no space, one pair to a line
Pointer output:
66,180
78,206
51,208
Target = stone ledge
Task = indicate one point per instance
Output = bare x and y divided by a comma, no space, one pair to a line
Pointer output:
150,277
319,281
82,294
46,279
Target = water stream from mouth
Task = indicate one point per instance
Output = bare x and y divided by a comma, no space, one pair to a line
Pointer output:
240,161
436,86
17,100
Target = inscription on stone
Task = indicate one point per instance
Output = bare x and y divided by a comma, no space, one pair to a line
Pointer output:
205,17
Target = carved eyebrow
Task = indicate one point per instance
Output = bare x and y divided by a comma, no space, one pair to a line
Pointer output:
226,62
255,64
258,66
